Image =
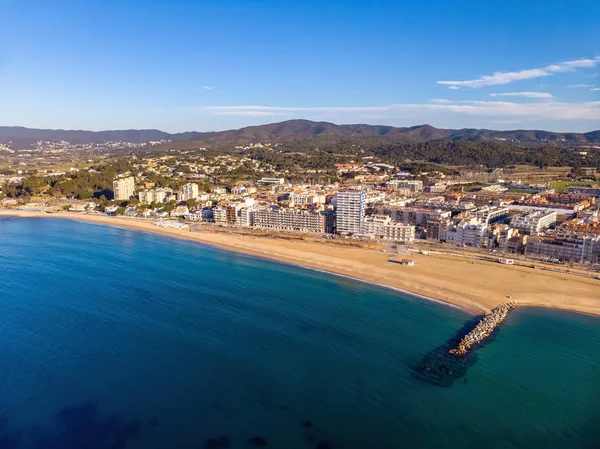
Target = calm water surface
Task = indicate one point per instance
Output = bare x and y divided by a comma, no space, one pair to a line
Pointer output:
113,338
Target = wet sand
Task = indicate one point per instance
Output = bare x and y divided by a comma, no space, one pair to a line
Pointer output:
475,285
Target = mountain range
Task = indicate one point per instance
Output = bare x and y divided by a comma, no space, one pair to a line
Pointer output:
21,137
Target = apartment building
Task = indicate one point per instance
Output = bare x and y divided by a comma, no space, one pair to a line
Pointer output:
413,216
154,196
220,215
124,188
189,191
245,216
534,221
410,185
274,217
437,230
471,232
581,250
350,211
383,227
490,214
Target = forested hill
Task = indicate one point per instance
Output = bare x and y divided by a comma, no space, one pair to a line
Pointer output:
285,131
293,129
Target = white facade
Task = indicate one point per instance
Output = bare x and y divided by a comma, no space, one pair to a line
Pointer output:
124,188
414,216
189,192
154,196
534,221
490,214
413,185
383,227
471,232
289,219
350,211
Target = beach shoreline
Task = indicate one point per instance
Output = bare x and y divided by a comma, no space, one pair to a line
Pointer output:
471,285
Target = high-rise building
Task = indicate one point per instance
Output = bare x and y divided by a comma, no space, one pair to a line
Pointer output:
189,192
124,188
350,211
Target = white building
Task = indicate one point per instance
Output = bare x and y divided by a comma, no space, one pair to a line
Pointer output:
279,181
274,217
414,216
411,185
472,232
534,221
383,227
124,188
189,192
350,211
490,214
154,196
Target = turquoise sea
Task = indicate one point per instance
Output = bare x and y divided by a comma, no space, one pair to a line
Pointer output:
112,338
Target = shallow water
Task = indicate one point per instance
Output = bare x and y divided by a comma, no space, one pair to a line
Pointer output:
114,338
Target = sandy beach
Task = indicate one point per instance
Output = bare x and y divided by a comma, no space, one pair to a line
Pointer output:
474,285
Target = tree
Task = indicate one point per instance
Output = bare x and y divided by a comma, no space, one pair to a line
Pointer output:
120,211
191,203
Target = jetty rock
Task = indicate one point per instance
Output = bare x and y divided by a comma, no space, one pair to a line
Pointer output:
484,328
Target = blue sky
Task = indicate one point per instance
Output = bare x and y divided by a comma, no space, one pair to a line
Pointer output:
181,65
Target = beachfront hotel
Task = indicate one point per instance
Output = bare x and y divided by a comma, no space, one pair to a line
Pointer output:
124,188
350,211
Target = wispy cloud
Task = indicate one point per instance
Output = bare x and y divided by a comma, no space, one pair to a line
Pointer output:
207,87
452,87
580,85
595,88
251,113
440,101
500,109
524,94
508,77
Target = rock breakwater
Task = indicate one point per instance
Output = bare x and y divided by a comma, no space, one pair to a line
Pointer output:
484,329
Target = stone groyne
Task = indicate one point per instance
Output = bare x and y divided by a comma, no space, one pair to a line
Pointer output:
484,329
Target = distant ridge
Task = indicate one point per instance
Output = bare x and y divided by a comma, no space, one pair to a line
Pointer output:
291,129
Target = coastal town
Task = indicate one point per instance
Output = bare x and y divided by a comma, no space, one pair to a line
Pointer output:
517,212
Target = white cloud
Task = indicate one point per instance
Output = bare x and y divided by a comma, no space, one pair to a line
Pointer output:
524,94
595,88
500,109
440,101
580,85
508,77
207,87
251,113
453,87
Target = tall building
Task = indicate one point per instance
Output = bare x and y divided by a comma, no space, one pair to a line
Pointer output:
189,192
124,188
350,211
